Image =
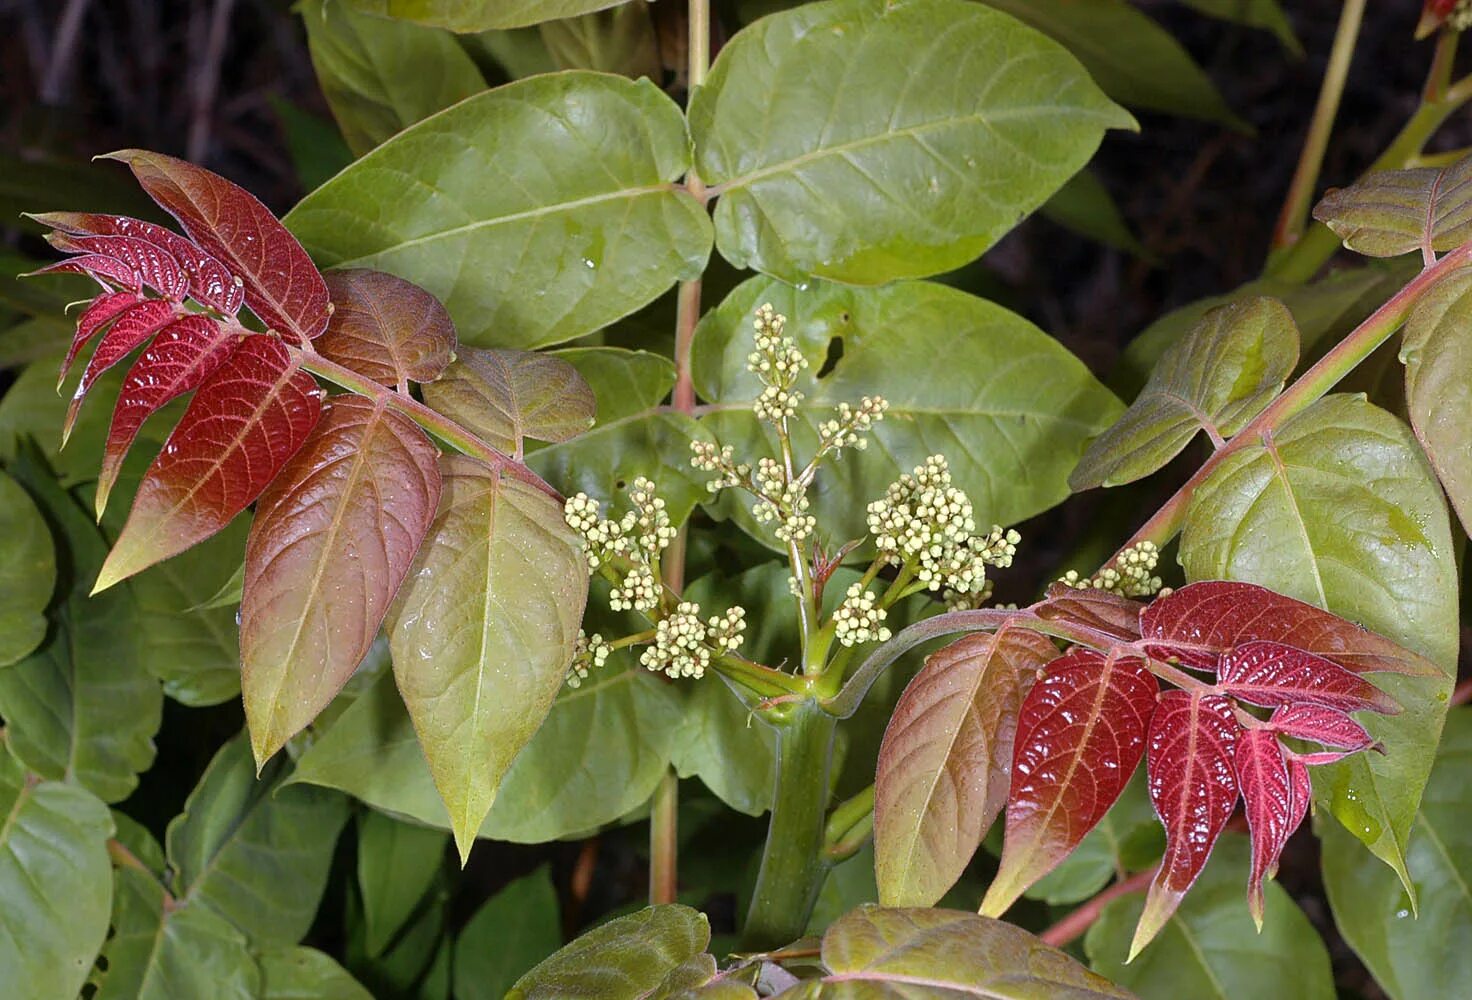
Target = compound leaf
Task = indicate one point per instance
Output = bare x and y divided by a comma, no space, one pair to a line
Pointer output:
386,328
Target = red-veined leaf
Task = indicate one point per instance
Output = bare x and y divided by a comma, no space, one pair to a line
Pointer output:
1267,799
1301,791
333,537
181,357
1098,609
944,761
242,425
103,310
131,328
1193,785
155,266
210,282
101,269
1080,735
282,285
1272,674
386,328
1327,726
1201,621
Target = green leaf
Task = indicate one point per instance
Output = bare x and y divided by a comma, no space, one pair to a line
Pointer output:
1010,408
868,140
1218,377
1128,838
56,881
33,339
27,572
140,843
511,932
1265,14
477,15
81,707
483,631
32,409
509,396
316,147
1437,353
417,965
306,974
1210,949
1429,956
598,756
624,959
1341,510
622,40
1391,212
492,207
163,951
381,76
1132,58
397,864
876,953
252,851
1085,205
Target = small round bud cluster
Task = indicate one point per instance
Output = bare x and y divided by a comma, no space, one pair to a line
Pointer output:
601,539
727,632
859,619
1132,575
783,503
589,653
777,362
648,521
709,457
638,592
848,427
679,648
924,518
1460,18
641,534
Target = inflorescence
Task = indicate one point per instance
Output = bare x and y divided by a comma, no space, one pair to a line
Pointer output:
1132,575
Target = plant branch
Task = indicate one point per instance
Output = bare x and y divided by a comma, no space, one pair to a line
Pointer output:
1294,215
663,829
1308,388
1073,926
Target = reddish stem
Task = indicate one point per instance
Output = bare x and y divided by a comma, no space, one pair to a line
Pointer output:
1463,693
1073,926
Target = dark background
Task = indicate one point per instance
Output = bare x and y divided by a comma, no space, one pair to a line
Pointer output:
228,83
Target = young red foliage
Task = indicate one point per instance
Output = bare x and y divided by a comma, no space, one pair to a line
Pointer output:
1201,621
156,268
1318,724
386,328
103,310
1272,674
132,327
282,285
1268,801
1115,616
100,268
1193,786
242,425
1080,735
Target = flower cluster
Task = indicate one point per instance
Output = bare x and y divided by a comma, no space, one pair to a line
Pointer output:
777,362
782,502
859,619
923,519
636,539
707,456
588,654
683,644
850,424
1132,575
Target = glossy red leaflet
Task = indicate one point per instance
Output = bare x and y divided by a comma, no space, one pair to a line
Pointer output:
181,357
102,311
1193,786
1080,735
102,269
155,266
386,328
1201,621
333,538
1272,674
282,285
1098,609
1318,724
1268,801
242,425
133,326
210,282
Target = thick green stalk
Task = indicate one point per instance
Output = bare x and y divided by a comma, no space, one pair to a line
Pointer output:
792,868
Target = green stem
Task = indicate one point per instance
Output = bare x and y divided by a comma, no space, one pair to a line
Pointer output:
663,829
1306,177
849,827
792,868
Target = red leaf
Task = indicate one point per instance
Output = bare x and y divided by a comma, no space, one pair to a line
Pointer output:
1193,785
242,425
1201,621
184,354
97,267
1080,735
156,267
944,762
333,538
1327,726
386,328
210,282
103,310
1268,801
132,327
282,285
1302,791
1272,674
1098,609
